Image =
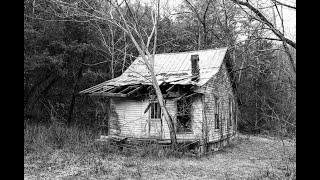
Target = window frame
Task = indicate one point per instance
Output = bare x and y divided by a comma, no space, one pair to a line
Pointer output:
188,130
154,107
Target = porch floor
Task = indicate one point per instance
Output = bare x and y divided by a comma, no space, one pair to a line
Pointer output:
133,139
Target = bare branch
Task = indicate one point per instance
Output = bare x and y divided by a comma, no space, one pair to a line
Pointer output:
283,4
266,21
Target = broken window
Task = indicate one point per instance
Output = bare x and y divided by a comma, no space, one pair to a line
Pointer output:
184,115
216,113
155,110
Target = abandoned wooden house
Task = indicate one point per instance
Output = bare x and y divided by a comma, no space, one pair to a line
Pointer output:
197,93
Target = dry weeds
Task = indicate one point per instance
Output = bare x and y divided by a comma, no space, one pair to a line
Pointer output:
248,157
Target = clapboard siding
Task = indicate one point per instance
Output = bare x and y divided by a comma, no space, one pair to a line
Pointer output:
196,119
132,120
219,86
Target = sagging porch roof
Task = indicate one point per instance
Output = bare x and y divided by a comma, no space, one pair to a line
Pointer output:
170,68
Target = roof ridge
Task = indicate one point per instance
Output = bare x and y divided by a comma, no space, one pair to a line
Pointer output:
191,51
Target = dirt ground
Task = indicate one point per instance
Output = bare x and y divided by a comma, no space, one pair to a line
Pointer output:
248,157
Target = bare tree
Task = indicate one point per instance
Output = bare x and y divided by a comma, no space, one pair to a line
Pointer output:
202,20
139,36
148,58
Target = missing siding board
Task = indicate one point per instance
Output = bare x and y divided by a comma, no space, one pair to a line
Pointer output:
184,124
216,113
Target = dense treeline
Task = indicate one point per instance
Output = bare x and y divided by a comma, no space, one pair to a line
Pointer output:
66,54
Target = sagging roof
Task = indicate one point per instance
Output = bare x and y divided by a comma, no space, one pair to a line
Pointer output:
172,68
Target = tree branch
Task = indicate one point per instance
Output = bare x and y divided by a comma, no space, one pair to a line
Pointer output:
282,4
266,21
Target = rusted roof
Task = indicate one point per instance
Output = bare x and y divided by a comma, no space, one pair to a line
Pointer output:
173,68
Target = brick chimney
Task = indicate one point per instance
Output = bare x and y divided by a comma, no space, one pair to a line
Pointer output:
195,71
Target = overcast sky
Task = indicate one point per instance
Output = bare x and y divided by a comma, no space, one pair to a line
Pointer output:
289,15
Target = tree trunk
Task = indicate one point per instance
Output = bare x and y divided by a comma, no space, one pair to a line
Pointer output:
205,35
112,52
199,35
74,93
125,52
229,66
149,62
164,109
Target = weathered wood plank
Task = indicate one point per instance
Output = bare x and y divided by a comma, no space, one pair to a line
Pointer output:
134,90
115,89
94,88
103,90
108,94
127,88
171,87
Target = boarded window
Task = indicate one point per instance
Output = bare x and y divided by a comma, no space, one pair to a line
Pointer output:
216,113
184,115
155,110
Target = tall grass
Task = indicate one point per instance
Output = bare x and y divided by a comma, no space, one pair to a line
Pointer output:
57,149
39,138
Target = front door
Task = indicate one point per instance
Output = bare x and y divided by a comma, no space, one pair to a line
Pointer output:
155,129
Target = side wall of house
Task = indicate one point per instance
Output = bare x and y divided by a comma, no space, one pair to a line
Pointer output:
220,87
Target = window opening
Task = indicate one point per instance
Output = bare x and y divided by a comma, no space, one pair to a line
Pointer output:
155,110
184,115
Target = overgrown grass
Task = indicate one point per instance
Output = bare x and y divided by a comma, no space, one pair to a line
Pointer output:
41,138
55,152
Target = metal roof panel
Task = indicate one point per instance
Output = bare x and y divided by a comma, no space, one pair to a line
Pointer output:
174,68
